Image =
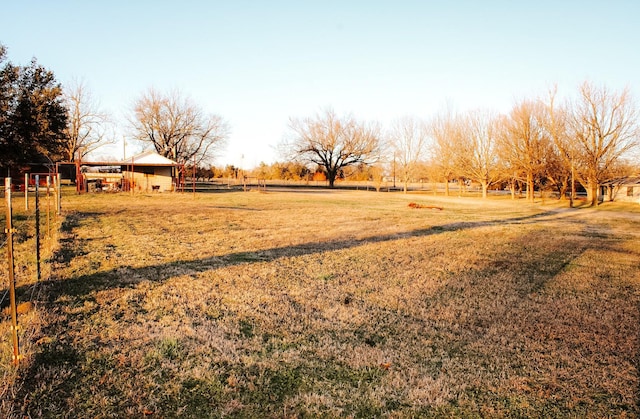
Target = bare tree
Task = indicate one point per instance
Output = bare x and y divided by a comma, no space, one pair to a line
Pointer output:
408,140
477,157
604,127
333,142
524,143
88,127
178,128
444,129
558,173
560,168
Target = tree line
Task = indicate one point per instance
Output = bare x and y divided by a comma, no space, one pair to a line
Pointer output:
542,142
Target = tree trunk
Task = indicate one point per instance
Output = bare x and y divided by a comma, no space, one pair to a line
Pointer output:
530,187
563,190
485,186
331,177
592,192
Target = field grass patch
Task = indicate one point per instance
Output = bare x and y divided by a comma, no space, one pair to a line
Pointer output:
342,304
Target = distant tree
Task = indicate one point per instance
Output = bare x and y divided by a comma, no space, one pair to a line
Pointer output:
561,162
524,143
376,175
87,126
333,142
230,171
476,152
360,172
282,171
177,128
32,114
604,127
557,172
445,132
373,173
215,173
430,172
262,171
299,171
408,141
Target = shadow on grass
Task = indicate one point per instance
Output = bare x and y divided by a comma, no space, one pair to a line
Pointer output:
530,276
85,284
71,247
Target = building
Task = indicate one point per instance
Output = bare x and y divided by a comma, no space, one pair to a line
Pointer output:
144,172
149,171
626,189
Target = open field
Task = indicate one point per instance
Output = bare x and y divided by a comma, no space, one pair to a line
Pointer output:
332,304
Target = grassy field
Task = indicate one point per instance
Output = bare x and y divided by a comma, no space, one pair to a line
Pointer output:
331,304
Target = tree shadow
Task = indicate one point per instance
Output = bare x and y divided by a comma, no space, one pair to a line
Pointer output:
71,246
83,286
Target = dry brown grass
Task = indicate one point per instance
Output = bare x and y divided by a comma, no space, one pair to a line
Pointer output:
334,304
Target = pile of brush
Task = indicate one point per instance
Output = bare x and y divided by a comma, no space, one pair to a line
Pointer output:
414,205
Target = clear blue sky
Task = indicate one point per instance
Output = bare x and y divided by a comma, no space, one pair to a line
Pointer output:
258,63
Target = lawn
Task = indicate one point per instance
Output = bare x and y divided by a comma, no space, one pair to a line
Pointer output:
330,304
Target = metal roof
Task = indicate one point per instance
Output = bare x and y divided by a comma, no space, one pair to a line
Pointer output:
628,181
149,158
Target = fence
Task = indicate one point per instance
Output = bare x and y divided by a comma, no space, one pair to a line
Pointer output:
26,229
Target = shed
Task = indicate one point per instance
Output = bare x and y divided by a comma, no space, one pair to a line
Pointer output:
625,189
149,171
144,172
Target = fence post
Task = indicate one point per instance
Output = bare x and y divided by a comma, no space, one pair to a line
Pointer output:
48,212
58,195
26,191
54,185
38,270
12,278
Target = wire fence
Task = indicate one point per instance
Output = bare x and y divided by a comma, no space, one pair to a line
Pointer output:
29,245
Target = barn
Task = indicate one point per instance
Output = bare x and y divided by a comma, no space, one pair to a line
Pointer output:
626,189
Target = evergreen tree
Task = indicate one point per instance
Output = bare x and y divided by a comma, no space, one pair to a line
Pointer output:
33,117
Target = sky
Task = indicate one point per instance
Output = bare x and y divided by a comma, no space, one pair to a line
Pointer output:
259,63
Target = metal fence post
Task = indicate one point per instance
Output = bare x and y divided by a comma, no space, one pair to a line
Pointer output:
48,212
58,195
38,270
26,191
12,279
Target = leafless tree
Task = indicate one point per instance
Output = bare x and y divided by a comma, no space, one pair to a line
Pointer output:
524,143
444,129
333,142
408,140
476,153
603,127
88,127
560,168
177,128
